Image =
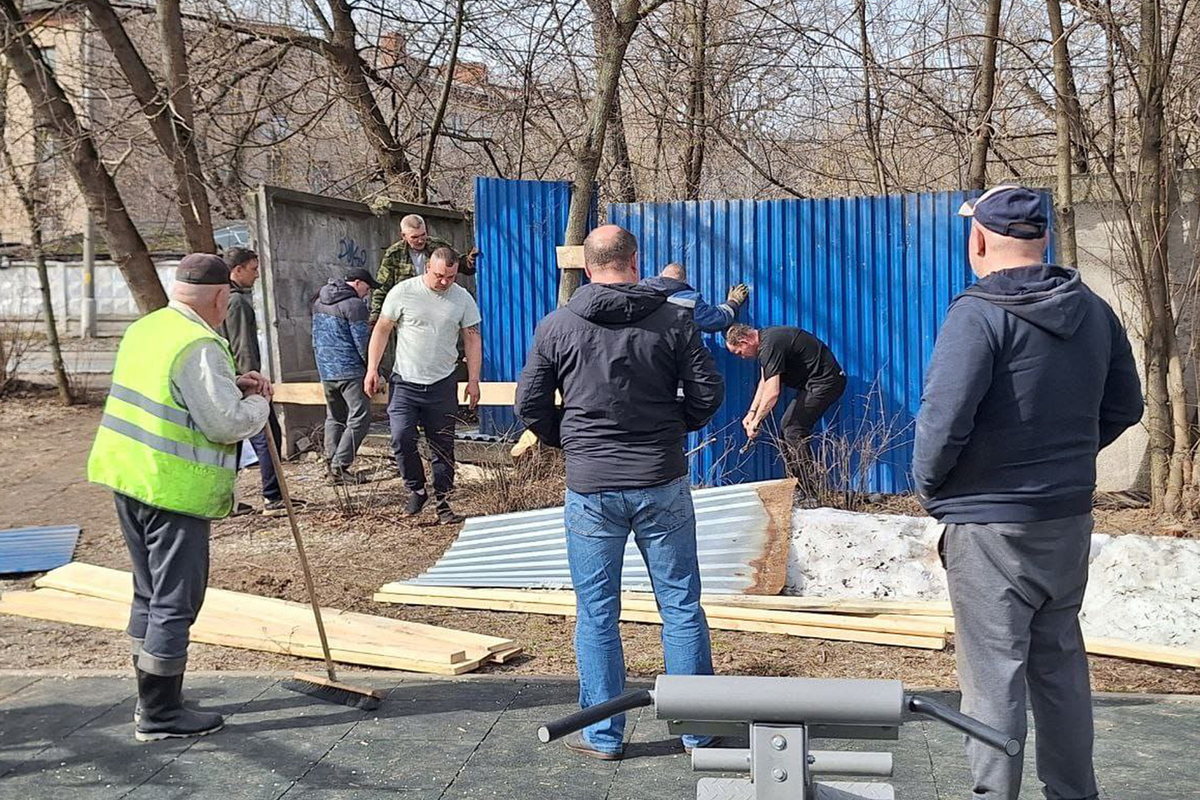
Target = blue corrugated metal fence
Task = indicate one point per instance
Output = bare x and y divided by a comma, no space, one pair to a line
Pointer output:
872,277
517,226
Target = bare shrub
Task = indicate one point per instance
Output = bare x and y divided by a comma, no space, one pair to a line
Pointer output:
16,339
838,473
535,480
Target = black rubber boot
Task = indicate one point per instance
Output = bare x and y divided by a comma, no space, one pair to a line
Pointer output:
163,712
446,515
416,501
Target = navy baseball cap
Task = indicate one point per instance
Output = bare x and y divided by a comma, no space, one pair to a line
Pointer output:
1009,211
360,274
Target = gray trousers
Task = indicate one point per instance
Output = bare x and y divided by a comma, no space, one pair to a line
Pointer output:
347,420
169,552
1016,589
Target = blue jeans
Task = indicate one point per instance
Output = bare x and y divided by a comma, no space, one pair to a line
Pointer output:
664,528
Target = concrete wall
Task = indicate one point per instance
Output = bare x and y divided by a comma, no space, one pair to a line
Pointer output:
305,239
1102,237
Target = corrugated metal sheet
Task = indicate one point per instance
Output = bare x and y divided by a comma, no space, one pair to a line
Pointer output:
871,276
37,549
742,533
517,226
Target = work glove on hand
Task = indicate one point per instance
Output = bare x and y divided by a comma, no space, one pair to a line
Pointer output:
738,294
466,262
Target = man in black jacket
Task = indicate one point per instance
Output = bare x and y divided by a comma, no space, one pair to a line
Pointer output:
241,330
1031,376
619,353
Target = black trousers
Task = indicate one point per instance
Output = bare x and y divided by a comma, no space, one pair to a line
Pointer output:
799,419
169,552
432,408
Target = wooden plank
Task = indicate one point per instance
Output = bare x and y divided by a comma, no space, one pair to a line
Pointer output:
1138,651
631,614
504,656
569,256
357,631
58,606
914,608
714,606
491,393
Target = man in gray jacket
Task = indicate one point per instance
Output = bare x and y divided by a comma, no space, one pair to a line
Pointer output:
240,329
1031,376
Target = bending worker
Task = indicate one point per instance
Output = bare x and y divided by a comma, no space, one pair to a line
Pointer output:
167,447
1031,376
710,319
795,358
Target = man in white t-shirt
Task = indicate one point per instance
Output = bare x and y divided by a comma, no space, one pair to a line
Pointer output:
427,312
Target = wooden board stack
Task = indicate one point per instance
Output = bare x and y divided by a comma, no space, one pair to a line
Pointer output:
922,624
84,594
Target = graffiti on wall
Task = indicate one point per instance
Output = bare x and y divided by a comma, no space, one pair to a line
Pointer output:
351,252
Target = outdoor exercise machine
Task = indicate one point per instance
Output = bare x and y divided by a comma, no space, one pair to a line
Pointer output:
781,716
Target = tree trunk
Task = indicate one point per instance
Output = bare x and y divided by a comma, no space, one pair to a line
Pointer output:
170,122
55,113
1064,200
619,146
868,105
695,112
30,196
981,134
1170,434
347,64
612,43
440,114
185,160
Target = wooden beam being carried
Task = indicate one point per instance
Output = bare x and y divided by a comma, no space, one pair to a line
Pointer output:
494,393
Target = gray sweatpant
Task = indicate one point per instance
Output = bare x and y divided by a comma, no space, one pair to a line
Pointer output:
347,420
169,552
1016,589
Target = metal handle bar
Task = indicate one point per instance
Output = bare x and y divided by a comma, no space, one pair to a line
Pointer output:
968,725
593,714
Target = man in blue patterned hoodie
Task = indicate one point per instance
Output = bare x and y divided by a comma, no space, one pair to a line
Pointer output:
340,336
708,318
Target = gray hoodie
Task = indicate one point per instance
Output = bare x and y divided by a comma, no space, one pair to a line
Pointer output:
1031,376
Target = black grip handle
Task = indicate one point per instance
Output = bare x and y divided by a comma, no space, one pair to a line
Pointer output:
593,714
968,725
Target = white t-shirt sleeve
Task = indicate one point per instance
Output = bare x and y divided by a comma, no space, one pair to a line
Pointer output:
471,315
393,303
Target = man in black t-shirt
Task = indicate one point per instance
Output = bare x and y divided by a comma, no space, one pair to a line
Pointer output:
789,357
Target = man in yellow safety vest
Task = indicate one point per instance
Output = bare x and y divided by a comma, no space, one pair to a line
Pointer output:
167,447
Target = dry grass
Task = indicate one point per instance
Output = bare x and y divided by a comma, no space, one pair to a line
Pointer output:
536,480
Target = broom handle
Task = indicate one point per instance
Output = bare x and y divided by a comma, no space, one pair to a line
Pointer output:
273,449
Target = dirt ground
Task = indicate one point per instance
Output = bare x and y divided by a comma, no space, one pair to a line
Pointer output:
359,541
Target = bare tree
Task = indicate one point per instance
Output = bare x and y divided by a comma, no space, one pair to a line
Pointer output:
55,113
29,193
613,31
981,134
1064,198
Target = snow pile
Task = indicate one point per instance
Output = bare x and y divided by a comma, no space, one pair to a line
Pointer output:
1145,589
1140,588
844,554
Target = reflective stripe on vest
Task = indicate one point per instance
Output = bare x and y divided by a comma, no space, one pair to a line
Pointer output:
148,446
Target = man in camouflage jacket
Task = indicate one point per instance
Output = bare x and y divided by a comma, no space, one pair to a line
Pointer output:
406,259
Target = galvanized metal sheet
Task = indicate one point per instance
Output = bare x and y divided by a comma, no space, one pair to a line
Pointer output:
742,537
37,549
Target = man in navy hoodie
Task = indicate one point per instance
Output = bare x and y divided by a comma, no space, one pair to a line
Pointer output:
1031,377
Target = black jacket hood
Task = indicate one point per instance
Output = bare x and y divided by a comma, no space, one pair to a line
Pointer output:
615,303
1051,297
335,291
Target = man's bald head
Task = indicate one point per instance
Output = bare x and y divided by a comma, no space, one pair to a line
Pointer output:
610,255
675,271
210,301
989,251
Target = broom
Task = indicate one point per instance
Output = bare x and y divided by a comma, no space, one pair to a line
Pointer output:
328,689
